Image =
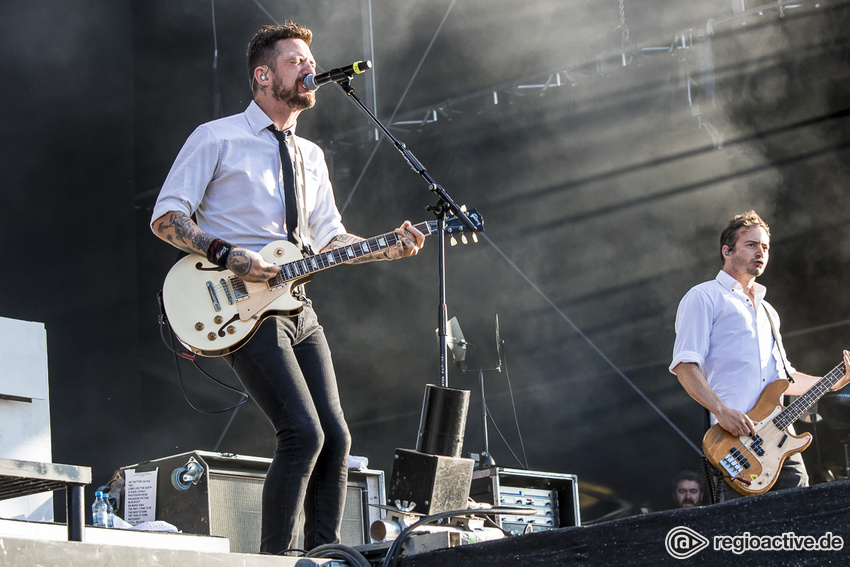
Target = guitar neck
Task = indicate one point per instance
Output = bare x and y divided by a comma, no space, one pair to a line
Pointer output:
311,264
794,410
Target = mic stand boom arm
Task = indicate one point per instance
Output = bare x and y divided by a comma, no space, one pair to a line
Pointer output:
444,205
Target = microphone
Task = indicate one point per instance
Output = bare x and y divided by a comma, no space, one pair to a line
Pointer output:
313,82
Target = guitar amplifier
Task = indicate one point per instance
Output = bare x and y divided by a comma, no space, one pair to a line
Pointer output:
553,497
226,500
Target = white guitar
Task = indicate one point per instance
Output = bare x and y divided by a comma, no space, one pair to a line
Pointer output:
214,312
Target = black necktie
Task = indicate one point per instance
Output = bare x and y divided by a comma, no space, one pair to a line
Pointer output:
289,200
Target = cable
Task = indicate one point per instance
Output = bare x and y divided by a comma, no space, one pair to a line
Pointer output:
592,345
163,323
395,549
395,112
217,107
513,407
339,551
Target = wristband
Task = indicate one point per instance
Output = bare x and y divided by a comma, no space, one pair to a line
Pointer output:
218,252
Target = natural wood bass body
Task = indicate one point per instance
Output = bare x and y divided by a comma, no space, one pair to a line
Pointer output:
750,463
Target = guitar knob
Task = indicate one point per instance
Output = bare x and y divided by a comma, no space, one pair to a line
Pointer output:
199,326
218,319
211,336
231,329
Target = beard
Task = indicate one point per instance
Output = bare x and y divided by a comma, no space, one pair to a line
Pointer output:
292,97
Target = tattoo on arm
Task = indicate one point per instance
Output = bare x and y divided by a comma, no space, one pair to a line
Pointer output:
239,262
181,232
343,240
340,241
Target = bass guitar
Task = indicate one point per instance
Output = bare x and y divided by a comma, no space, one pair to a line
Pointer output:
750,463
213,312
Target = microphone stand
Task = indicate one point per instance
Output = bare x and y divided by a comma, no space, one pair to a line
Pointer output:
444,205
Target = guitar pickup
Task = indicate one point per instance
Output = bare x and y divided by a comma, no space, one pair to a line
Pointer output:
756,445
239,288
739,457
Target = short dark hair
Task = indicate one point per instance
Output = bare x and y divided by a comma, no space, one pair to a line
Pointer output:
262,48
686,475
729,236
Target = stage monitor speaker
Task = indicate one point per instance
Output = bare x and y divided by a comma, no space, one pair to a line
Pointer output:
435,483
226,499
553,496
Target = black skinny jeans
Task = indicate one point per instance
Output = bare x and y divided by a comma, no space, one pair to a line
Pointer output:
286,368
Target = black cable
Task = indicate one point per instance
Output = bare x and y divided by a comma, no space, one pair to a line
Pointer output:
163,323
398,543
339,551
513,407
505,441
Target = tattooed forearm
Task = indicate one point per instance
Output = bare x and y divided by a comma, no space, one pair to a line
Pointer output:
181,231
341,240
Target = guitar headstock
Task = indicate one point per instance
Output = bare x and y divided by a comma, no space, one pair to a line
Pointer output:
455,225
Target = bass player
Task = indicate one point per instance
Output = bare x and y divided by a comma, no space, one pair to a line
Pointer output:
728,347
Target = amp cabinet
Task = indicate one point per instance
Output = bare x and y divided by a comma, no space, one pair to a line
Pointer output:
226,500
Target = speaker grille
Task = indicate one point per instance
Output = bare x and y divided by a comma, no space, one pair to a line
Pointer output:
353,520
235,504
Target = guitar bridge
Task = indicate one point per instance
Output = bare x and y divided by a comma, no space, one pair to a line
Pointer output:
734,462
213,297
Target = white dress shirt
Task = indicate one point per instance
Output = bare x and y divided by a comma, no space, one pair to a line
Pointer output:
228,174
729,338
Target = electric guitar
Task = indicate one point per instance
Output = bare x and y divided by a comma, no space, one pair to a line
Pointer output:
750,463
214,312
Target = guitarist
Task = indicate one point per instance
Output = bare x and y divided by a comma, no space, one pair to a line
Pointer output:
230,176
726,352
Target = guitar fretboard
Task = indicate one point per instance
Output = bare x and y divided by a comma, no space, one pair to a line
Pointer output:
317,262
794,410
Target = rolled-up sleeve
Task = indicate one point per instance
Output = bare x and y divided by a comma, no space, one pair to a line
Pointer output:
693,329
187,181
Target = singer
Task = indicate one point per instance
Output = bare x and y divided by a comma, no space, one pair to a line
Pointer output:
250,180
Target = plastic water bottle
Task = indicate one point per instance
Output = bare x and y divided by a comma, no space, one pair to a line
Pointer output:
101,511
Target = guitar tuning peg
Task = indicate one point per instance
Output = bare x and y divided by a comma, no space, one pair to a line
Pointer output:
452,241
463,208
463,239
475,238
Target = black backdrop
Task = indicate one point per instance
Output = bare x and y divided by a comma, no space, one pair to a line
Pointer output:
605,164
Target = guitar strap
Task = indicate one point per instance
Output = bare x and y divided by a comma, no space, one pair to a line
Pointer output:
781,348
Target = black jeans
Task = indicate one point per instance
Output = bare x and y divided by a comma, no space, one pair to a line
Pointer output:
286,368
